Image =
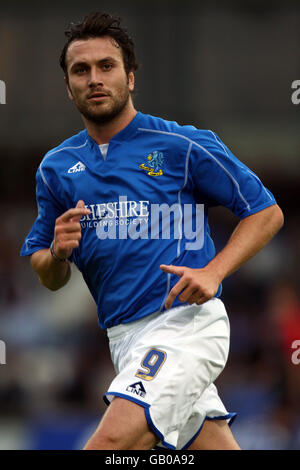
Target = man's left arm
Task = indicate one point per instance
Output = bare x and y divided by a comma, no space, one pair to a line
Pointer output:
249,237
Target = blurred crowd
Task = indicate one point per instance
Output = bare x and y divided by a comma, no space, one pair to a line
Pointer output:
228,65
57,358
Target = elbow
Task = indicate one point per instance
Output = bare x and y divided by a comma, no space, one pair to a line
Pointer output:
53,288
50,286
279,217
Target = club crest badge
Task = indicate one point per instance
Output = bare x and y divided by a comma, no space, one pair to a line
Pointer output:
154,163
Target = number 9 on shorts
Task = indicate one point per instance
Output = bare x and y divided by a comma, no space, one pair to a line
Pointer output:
152,362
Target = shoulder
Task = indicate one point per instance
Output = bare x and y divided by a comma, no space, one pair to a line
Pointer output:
64,151
189,133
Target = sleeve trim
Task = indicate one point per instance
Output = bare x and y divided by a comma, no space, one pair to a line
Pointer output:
258,209
208,153
32,250
46,183
253,174
52,153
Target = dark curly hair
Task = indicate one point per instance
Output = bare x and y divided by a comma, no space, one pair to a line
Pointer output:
96,25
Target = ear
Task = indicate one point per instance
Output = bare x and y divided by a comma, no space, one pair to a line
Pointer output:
131,81
68,88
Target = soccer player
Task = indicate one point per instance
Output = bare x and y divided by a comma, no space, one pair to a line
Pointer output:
127,201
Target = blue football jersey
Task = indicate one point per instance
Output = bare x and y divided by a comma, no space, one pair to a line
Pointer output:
149,201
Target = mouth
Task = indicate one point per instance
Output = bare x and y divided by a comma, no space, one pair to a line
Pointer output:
97,96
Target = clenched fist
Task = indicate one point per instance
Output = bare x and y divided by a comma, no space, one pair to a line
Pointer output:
67,231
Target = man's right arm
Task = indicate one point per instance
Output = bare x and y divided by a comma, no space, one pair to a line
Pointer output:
53,274
54,270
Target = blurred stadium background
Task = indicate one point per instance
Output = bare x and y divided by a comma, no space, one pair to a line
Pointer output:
226,66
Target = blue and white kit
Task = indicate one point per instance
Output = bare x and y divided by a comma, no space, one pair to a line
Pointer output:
149,200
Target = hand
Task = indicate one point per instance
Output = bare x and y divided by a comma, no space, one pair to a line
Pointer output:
67,232
194,286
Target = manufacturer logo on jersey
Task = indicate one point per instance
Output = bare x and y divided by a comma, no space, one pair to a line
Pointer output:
154,163
137,389
77,168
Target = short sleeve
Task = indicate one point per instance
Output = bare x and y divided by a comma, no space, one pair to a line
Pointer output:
220,178
49,208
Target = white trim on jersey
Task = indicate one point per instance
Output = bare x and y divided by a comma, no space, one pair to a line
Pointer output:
208,153
52,153
66,148
179,197
253,174
179,220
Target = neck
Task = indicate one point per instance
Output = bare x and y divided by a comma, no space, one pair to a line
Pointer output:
102,133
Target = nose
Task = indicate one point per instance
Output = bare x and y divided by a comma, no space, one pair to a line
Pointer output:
95,78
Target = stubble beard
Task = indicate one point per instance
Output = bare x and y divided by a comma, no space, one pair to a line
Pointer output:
101,113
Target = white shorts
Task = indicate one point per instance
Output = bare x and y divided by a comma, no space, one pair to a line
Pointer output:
167,363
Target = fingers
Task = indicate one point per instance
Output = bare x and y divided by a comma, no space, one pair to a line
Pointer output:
66,238
67,232
191,295
80,204
178,270
72,227
199,300
188,293
181,284
194,286
77,212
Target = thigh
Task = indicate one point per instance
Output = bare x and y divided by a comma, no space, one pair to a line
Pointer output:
169,364
215,435
123,427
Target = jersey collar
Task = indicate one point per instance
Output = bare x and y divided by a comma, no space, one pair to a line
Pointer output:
124,134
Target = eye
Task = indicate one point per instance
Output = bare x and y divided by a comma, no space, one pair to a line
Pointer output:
80,70
107,66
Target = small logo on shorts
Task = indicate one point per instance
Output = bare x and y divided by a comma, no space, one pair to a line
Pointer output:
137,388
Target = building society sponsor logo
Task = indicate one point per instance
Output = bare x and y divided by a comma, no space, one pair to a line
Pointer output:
125,219
137,389
77,168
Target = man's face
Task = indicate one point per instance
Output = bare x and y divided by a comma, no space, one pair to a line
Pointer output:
97,80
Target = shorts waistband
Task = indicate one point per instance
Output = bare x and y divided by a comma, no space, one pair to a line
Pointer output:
125,328
115,332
